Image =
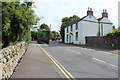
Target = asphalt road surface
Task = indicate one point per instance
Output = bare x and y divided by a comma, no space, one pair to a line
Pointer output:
83,62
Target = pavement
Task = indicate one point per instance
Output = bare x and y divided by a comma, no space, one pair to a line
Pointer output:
35,64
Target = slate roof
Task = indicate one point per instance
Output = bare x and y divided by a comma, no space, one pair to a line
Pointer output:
99,19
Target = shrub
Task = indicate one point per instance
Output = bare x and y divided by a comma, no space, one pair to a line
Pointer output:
115,32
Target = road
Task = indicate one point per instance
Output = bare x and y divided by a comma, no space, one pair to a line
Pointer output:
83,62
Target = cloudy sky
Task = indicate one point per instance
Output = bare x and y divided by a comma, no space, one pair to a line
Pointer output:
54,10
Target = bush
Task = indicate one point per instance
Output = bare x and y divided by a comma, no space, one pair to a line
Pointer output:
115,32
28,36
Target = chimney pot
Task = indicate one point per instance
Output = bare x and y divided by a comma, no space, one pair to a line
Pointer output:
105,14
90,12
105,11
90,9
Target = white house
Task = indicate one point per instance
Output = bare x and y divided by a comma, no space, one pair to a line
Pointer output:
86,26
105,25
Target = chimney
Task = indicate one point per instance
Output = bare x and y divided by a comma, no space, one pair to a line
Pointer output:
105,14
89,12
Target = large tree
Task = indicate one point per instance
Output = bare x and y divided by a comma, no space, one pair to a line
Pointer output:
17,20
44,26
66,21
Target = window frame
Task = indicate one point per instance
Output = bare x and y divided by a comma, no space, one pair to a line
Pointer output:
71,27
76,36
67,30
76,25
67,38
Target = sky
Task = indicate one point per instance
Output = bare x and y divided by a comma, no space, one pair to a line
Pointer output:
53,11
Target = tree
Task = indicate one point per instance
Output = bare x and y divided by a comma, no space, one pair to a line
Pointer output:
17,20
44,26
53,32
66,21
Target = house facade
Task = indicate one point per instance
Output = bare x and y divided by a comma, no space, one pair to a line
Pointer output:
86,26
105,25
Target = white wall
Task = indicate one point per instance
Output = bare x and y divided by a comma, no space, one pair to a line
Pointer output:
107,26
89,28
79,30
73,32
65,35
85,28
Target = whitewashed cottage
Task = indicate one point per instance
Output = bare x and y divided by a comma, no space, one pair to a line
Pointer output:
105,25
89,25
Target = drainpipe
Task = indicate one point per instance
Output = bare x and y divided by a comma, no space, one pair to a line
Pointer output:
99,29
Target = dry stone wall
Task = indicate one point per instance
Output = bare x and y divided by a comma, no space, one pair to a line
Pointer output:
103,42
9,58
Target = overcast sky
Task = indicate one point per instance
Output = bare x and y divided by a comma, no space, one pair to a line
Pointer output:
54,10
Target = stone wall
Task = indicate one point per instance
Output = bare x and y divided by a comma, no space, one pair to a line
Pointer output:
9,58
103,42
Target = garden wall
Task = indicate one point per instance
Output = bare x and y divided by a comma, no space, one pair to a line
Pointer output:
9,58
103,42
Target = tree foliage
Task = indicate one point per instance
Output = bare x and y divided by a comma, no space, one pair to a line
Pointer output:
44,26
66,21
53,33
18,18
34,35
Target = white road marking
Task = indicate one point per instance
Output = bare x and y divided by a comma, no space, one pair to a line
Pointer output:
99,51
114,65
99,60
104,62
77,52
73,51
60,47
109,53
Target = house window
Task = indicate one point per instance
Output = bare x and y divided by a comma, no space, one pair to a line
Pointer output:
67,29
71,28
76,36
76,26
67,38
